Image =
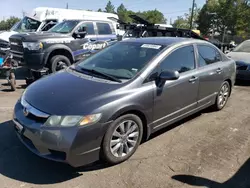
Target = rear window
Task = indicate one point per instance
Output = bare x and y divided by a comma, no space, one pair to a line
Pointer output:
104,28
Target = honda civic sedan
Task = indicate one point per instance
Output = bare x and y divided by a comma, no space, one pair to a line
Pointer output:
105,105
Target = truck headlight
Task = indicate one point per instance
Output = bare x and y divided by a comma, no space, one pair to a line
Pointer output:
33,45
70,121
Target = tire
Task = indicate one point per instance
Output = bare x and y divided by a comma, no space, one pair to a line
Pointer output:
108,151
12,81
55,60
223,95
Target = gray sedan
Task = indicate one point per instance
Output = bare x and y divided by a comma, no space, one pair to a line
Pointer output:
241,55
105,105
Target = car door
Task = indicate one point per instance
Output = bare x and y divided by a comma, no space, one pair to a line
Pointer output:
210,75
105,31
179,97
78,46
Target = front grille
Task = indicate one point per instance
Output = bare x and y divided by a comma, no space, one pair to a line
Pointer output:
35,118
16,47
57,155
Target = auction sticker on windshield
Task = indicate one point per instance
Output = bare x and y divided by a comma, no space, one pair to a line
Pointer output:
153,46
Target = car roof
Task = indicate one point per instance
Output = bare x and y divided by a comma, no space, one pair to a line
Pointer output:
164,40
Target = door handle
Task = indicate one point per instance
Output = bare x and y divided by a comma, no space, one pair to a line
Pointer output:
193,79
92,40
219,70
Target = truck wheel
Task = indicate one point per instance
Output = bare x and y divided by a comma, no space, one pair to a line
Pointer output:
58,62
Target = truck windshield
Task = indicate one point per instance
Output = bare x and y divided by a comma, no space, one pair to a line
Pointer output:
27,25
64,27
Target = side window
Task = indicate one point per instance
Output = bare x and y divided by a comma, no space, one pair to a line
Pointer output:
180,60
104,28
208,55
90,28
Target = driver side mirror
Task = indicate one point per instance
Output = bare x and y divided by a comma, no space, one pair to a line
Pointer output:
169,75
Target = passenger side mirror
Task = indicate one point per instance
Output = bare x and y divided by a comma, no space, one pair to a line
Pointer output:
169,75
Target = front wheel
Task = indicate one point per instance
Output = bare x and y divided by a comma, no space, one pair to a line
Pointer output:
58,62
223,95
122,138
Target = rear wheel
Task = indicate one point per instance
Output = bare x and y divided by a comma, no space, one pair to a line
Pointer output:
58,62
122,138
222,96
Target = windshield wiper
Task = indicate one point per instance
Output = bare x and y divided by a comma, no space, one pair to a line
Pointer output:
112,78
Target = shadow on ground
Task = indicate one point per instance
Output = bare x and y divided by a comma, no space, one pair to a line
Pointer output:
239,180
242,83
16,162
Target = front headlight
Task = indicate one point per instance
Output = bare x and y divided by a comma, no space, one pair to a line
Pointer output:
70,121
33,45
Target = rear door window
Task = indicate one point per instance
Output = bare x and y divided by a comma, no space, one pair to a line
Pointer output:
208,55
104,28
181,60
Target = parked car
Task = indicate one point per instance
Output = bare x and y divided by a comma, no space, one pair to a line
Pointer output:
103,106
241,55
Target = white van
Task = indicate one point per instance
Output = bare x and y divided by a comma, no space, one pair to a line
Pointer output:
44,18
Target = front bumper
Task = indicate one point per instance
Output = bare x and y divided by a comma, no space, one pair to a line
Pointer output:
76,146
31,60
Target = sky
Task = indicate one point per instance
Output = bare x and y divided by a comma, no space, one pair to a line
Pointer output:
170,8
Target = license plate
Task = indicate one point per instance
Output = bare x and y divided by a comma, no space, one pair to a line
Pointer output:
18,126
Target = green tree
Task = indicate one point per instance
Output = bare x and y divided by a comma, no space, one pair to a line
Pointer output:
8,23
110,8
99,10
123,13
184,21
153,16
204,20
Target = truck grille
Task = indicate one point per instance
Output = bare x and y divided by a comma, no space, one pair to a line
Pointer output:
16,48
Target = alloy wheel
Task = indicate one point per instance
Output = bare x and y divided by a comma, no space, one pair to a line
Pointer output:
223,95
124,138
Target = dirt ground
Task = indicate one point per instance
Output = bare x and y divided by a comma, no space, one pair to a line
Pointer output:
209,149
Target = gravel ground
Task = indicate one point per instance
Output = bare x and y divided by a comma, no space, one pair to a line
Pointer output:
209,149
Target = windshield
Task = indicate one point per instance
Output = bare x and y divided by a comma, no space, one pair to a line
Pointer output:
64,27
27,25
243,47
121,60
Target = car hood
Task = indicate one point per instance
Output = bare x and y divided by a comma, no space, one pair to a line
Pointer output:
240,56
6,35
65,93
38,36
